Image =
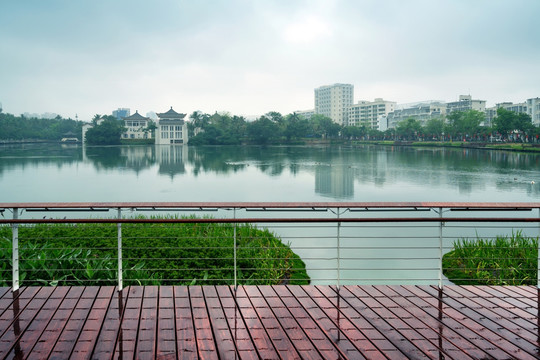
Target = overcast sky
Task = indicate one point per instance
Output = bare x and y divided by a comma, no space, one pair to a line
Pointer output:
250,57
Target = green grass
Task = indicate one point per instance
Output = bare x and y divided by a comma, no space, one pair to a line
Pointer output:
506,260
172,254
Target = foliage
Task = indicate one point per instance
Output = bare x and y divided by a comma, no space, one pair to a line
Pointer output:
20,127
408,128
463,124
504,261
106,130
154,253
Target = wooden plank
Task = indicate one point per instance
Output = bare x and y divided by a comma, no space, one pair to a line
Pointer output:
325,322
240,334
121,336
206,345
90,331
261,340
22,320
146,337
186,343
497,346
73,327
166,340
61,308
275,332
220,327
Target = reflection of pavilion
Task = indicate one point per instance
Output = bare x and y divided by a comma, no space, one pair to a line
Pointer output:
171,159
334,181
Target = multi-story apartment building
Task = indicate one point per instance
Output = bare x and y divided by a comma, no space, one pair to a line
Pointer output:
465,103
491,113
334,101
421,111
533,109
368,113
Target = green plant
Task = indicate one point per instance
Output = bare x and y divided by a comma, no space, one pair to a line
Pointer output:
506,260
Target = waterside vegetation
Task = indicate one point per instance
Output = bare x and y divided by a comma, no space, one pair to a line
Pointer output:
167,254
505,260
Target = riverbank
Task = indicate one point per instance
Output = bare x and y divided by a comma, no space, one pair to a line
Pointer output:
520,147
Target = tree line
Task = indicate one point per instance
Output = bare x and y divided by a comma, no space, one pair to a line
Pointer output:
22,128
273,127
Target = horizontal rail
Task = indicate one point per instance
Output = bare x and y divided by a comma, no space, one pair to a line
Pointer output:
272,205
265,220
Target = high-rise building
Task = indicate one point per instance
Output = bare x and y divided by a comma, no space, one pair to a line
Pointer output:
121,113
334,101
367,113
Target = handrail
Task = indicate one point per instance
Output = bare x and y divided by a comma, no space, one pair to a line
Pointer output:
337,215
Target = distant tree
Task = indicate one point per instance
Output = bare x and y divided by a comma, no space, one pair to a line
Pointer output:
324,126
465,123
408,128
106,133
262,130
434,127
295,127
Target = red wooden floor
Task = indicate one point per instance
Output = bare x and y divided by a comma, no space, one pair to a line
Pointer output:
270,322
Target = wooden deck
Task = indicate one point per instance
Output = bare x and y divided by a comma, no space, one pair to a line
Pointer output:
270,322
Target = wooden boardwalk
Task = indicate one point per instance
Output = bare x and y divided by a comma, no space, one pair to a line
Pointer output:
270,322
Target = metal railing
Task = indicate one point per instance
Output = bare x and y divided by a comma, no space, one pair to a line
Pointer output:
267,243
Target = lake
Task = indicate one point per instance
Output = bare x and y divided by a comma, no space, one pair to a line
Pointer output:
72,173
34,173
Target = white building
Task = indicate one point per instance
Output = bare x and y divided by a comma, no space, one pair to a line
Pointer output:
306,114
533,109
465,103
368,113
171,128
136,127
334,101
491,113
421,111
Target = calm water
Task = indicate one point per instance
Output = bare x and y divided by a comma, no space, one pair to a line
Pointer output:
33,173
55,173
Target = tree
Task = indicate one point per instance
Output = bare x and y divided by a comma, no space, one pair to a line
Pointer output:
262,130
434,127
465,123
295,127
324,126
108,132
408,128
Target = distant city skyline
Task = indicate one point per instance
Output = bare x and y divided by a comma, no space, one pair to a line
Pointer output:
251,57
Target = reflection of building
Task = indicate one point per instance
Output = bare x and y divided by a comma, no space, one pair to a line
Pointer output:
334,101
172,159
136,127
171,128
334,181
367,113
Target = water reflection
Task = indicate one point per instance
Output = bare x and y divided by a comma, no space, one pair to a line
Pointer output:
337,171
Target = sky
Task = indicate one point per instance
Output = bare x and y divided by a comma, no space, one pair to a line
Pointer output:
80,58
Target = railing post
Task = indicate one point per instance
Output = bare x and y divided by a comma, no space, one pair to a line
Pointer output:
338,251
15,251
234,251
440,248
120,270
